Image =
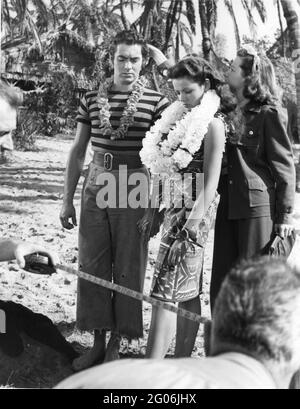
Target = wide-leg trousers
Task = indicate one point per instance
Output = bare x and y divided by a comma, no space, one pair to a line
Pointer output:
110,247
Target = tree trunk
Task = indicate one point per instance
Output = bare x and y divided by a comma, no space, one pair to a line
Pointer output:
281,28
290,14
206,40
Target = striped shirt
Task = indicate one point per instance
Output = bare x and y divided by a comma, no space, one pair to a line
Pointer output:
149,109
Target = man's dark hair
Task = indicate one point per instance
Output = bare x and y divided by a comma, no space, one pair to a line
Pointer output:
12,95
130,37
258,309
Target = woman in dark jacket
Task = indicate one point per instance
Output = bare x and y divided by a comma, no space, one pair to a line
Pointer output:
257,187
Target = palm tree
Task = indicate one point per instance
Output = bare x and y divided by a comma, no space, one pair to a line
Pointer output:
249,6
178,10
279,11
292,20
208,18
24,19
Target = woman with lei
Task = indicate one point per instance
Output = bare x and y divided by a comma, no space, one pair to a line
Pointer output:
186,144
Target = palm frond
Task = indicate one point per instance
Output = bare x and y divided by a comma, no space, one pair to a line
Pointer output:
211,12
34,31
171,19
191,15
229,6
6,12
184,30
251,21
259,5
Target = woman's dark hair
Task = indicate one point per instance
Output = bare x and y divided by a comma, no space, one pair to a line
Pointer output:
260,78
198,70
12,95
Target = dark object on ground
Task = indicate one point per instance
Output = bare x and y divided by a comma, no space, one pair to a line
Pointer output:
20,319
39,264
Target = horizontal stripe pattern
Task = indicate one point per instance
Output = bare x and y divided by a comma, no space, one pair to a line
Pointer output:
149,109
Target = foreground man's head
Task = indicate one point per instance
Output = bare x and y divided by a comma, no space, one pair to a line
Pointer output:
257,313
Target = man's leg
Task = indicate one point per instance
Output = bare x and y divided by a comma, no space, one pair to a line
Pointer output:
94,303
94,356
130,259
113,347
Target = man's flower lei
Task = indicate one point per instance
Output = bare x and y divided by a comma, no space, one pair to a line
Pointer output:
127,118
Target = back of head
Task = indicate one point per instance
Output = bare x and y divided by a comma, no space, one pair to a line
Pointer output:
260,78
197,69
12,95
268,78
258,311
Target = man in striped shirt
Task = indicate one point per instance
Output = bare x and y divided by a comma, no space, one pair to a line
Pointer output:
110,245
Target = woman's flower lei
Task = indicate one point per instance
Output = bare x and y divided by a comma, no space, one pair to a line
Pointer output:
127,118
172,142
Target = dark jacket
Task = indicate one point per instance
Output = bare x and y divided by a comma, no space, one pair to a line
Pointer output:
261,171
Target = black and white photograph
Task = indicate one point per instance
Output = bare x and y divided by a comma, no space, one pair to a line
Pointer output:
149,197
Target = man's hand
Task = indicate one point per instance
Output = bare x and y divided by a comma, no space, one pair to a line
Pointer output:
284,230
157,55
149,225
68,212
24,249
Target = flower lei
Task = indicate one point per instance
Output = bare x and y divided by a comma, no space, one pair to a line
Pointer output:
127,118
172,142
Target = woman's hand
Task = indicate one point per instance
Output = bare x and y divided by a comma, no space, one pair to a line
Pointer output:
149,225
144,225
284,230
177,252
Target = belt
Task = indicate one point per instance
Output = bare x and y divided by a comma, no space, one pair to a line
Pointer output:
111,161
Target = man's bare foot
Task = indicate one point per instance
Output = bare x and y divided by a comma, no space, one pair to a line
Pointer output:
113,347
87,360
93,357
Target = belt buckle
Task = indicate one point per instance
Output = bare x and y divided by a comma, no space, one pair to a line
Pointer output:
108,161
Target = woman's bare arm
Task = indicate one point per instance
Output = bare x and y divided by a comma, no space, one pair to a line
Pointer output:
213,153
